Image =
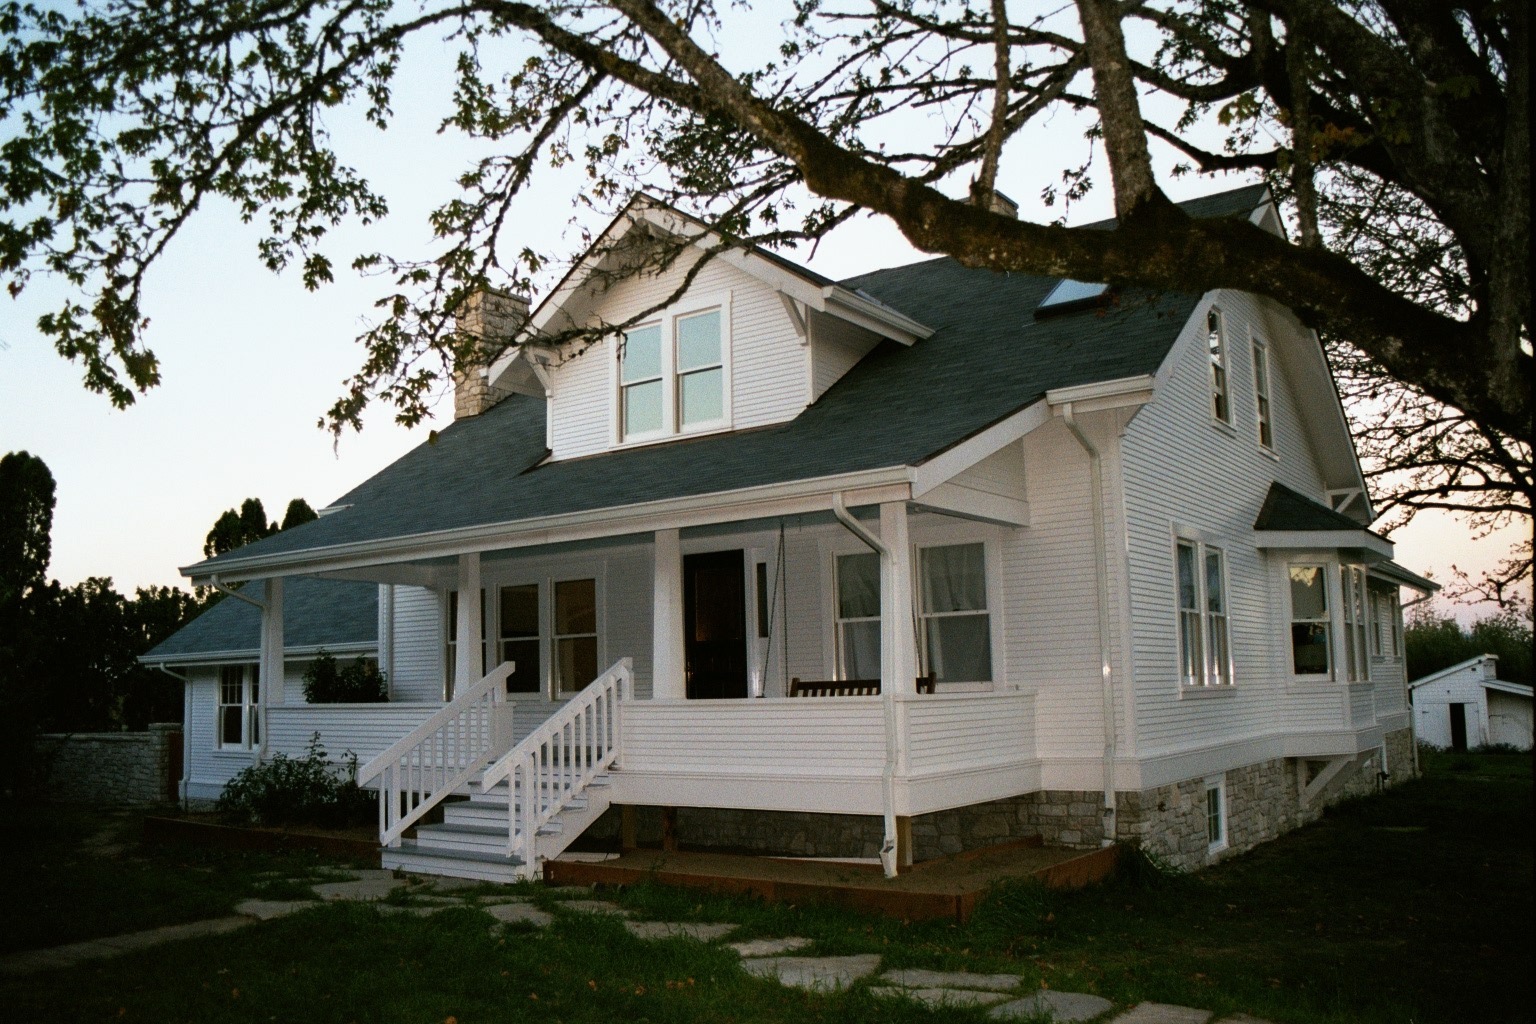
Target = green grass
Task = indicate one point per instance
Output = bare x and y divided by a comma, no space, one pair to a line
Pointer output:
76,873
1413,906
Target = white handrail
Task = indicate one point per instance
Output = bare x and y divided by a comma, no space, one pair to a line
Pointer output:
438,756
556,762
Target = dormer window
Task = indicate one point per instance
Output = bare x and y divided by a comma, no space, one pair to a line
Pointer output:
672,375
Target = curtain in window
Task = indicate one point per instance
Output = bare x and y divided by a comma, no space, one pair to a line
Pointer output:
858,613
957,628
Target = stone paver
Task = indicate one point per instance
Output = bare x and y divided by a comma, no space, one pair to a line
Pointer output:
366,889
941,996
1063,1007
266,910
1242,1018
594,907
373,874
769,947
1163,1013
519,913
678,930
918,978
812,972
36,960
395,908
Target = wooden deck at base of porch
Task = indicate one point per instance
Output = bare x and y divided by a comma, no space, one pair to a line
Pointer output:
944,887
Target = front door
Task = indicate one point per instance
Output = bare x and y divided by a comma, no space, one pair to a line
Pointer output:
715,624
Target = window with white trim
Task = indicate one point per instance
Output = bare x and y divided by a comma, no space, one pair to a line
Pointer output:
518,638
858,616
1261,392
1205,649
1384,624
239,699
953,619
1216,814
1311,620
672,376
1357,664
1216,349
574,637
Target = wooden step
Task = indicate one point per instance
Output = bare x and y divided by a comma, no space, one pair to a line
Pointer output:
486,867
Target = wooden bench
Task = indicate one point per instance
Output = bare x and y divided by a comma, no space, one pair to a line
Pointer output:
847,687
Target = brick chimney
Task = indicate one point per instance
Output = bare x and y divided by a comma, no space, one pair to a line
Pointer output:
494,318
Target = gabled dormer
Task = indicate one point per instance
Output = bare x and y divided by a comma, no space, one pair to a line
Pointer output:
714,338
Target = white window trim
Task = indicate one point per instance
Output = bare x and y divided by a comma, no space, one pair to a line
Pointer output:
1330,570
1201,543
249,709
1354,617
671,427
544,574
1218,784
1258,349
924,534
1223,361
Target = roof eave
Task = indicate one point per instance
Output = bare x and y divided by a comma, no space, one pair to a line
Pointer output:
1325,540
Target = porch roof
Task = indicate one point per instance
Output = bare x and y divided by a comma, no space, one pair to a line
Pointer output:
337,615
987,358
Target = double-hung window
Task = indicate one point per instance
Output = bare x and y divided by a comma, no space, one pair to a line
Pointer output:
955,625
518,639
1352,589
1311,620
575,634
1261,392
858,616
1205,650
1384,625
672,376
239,698
1216,348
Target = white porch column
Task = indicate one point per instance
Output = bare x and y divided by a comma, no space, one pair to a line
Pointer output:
667,659
272,643
467,638
898,645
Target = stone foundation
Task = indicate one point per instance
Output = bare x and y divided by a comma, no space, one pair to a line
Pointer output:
122,769
1263,801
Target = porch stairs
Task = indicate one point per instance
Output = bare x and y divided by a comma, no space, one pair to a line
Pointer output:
472,839
527,802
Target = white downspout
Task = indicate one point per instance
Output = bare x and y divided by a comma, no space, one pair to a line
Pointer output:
1101,579
887,696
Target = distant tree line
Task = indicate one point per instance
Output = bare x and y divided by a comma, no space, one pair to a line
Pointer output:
69,654
1433,641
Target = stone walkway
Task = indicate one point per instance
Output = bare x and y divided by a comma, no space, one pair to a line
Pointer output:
772,958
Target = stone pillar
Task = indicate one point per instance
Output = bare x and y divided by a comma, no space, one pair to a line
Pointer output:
667,661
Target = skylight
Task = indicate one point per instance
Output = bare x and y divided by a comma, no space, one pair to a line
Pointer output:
1069,292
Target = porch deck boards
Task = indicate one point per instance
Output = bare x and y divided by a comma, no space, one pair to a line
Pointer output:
946,887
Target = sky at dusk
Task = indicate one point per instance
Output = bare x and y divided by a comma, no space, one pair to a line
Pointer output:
250,360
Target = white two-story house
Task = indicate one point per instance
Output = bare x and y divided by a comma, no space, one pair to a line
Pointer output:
925,559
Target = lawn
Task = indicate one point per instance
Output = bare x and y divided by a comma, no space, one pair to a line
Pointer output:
1412,906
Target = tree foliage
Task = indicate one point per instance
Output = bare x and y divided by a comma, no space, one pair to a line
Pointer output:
326,681
1432,642
26,526
1397,131
235,529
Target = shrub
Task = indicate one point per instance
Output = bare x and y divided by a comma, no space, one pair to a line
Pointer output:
307,790
327,682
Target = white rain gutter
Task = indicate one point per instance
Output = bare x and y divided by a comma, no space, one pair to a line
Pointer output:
887,695
1101,580
222,588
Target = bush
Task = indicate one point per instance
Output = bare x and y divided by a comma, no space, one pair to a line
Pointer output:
298,791
326,682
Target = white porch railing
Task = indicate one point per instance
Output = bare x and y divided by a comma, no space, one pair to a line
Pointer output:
556,762
440,755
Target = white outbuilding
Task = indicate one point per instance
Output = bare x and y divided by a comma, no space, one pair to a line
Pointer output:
1467,706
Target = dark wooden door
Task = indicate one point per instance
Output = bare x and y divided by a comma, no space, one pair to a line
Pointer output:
1459,727
715,624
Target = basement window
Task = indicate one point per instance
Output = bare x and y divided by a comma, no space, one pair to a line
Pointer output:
1216,813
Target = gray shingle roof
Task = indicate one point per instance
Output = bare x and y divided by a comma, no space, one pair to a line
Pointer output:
316,613
1285,509
987,358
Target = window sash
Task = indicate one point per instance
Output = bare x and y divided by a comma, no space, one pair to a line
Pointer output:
857,615
1215,818
1205,649
238,724
1261,393
1221,406
954,621
1311,635
1357,664
573,635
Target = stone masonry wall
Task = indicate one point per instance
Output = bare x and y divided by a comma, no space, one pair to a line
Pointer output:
1263,801
121,769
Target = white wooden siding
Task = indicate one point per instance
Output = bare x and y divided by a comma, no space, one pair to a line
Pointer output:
768,364
419,653
836,346
955,732
1185,473
784,737
362,729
